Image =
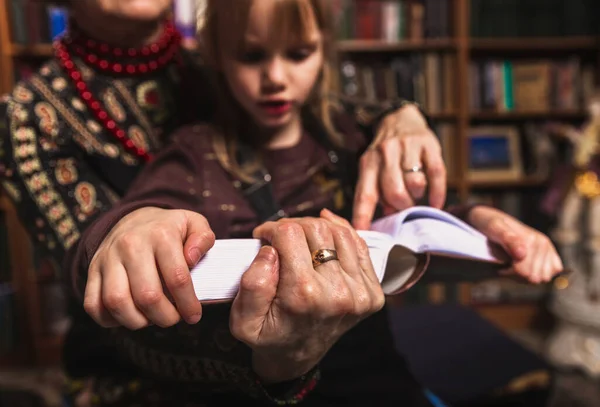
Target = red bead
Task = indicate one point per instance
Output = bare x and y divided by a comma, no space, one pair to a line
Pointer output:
69,64
145,51
104,64
86,95
92,58
102,115
76,76
91,43
143,68
129,144
120,133
141,152
153,65
118,52
118,68
104,48
132,52
95,105
111,124
154,48
81,86
162,60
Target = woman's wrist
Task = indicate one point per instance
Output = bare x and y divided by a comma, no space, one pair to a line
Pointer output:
290,392
272,369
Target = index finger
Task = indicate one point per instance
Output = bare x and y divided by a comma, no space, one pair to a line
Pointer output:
289,240
366,195
436,174
176,274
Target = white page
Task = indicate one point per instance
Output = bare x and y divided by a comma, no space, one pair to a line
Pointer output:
434,235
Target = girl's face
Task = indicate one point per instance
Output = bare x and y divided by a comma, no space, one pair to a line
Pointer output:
271,78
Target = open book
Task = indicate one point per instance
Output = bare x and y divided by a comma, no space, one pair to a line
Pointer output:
402,247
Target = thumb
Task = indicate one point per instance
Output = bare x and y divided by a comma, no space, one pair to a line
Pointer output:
501,232
257,291
198,237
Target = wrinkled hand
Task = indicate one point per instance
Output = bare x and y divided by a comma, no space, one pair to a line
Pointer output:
146,249
533,254
289,313
403,142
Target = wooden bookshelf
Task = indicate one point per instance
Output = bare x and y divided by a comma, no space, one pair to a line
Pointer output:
36,50
46,349
373,46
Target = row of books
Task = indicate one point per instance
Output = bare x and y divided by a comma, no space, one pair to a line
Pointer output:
428,78
35,22
536,18
526,85
393,20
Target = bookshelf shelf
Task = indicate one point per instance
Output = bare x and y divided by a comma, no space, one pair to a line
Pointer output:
520,183
535,43
373,46
34,50
531,115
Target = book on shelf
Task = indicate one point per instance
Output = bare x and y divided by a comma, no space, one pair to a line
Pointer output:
420,243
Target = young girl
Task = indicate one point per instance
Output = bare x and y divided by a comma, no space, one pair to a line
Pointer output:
298,329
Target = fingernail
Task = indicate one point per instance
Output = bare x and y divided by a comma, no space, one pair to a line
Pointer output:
194,319
267,254
195,255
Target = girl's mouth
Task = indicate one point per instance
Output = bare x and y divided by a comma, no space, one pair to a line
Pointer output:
276,107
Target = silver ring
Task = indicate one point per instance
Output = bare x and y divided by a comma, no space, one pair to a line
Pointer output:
416,168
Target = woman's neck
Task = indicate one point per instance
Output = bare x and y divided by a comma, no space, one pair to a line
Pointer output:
122,33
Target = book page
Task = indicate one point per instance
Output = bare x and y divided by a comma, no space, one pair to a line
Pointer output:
392,224
438,236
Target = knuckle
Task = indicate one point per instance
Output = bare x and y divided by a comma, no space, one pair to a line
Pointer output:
147,298
289,230
436,169
209,237
115,300
251,284
394,195
367,159
317,227
416,182
170,321
161,234
128,242
343,234
179,278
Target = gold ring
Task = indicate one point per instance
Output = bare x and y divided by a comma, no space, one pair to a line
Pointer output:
323,256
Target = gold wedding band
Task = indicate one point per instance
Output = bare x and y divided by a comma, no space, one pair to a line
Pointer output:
416,168
322,256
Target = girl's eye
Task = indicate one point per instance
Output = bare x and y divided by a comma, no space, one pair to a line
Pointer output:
300,54
252,57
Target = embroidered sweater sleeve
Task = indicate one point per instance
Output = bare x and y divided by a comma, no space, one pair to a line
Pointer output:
164,183
55,192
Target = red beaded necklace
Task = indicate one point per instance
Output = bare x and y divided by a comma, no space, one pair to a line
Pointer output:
153,57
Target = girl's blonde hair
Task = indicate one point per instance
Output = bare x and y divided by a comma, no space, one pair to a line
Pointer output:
223,31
